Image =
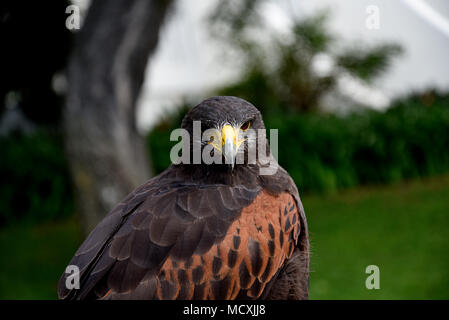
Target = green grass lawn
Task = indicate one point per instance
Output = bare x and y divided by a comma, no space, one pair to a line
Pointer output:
34,257
403,229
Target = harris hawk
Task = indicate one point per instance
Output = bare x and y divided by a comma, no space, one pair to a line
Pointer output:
202,231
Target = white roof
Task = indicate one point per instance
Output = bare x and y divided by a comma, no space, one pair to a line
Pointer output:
188,61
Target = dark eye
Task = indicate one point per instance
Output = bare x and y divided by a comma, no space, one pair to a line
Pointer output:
245,126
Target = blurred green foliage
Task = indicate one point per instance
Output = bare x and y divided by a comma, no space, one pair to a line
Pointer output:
326,152
158,139
35,179
279,69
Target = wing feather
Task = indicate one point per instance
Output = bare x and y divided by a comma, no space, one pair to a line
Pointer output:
175,240
163,219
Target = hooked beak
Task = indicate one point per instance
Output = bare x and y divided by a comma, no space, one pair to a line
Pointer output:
229,144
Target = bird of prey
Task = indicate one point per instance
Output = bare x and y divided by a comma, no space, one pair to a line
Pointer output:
202,231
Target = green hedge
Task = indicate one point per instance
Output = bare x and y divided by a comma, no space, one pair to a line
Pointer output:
326,152
35,182
322,152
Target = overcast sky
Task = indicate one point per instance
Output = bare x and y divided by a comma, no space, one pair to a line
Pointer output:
186,60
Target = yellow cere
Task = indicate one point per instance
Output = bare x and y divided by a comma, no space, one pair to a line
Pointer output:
227,132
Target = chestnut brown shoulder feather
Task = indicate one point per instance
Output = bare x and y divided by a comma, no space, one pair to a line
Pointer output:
174,238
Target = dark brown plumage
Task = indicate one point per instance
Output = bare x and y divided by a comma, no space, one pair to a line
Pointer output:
201,231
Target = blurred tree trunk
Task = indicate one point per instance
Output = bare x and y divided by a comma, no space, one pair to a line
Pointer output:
108,157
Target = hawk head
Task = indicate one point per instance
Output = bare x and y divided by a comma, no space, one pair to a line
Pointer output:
230,128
